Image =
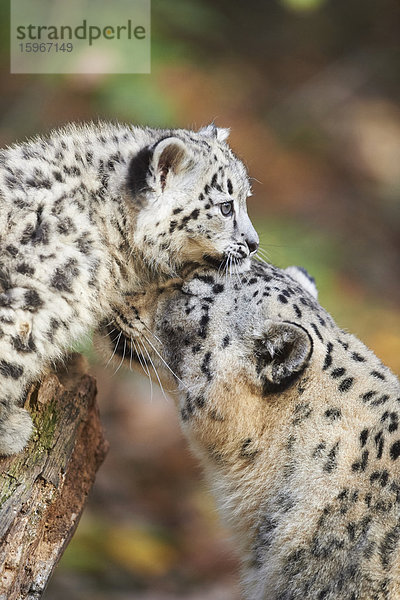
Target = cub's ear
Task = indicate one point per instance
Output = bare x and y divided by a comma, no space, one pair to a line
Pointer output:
282,352
152,167
169,156
220,134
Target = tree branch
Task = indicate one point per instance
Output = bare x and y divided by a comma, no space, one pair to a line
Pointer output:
44,488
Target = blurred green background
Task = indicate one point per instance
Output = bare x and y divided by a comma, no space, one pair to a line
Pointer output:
310,89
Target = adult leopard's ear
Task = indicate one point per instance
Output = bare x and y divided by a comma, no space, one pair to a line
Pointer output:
220,134
302,276
152,167
282,351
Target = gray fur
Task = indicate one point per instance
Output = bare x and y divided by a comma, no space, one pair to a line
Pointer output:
295,422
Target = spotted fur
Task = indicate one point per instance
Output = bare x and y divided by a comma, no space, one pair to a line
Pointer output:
93,212
295,422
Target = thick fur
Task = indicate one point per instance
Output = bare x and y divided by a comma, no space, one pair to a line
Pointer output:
92,212
295,422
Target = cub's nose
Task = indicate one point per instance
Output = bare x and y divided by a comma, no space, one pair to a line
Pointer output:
252,245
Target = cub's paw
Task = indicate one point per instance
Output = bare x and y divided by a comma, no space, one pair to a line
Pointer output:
15,430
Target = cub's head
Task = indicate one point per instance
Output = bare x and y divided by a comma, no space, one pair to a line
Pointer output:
191,191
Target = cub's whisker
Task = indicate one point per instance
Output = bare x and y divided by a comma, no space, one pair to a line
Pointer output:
155,370
222,265
152,333
131,358
263,252
140,359
260,259
109,333
226,269
164,361
147,370
115,349
236,270
230,266
122,359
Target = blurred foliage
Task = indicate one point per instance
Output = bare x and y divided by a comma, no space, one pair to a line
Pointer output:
311,91
143,551
303,5
141,98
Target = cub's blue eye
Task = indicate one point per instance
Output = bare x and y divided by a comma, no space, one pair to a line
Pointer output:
226,208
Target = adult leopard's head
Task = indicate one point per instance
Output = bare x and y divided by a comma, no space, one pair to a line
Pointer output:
218,336
191,191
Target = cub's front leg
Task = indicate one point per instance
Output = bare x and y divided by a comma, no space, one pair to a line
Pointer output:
33,332
15,422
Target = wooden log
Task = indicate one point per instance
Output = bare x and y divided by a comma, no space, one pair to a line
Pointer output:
44,488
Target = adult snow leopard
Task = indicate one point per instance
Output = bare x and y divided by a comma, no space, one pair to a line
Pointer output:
295,422
92,212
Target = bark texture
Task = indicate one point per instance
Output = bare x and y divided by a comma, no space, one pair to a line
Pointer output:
44,488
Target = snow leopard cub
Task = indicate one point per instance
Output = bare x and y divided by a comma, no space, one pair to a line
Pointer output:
94,212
